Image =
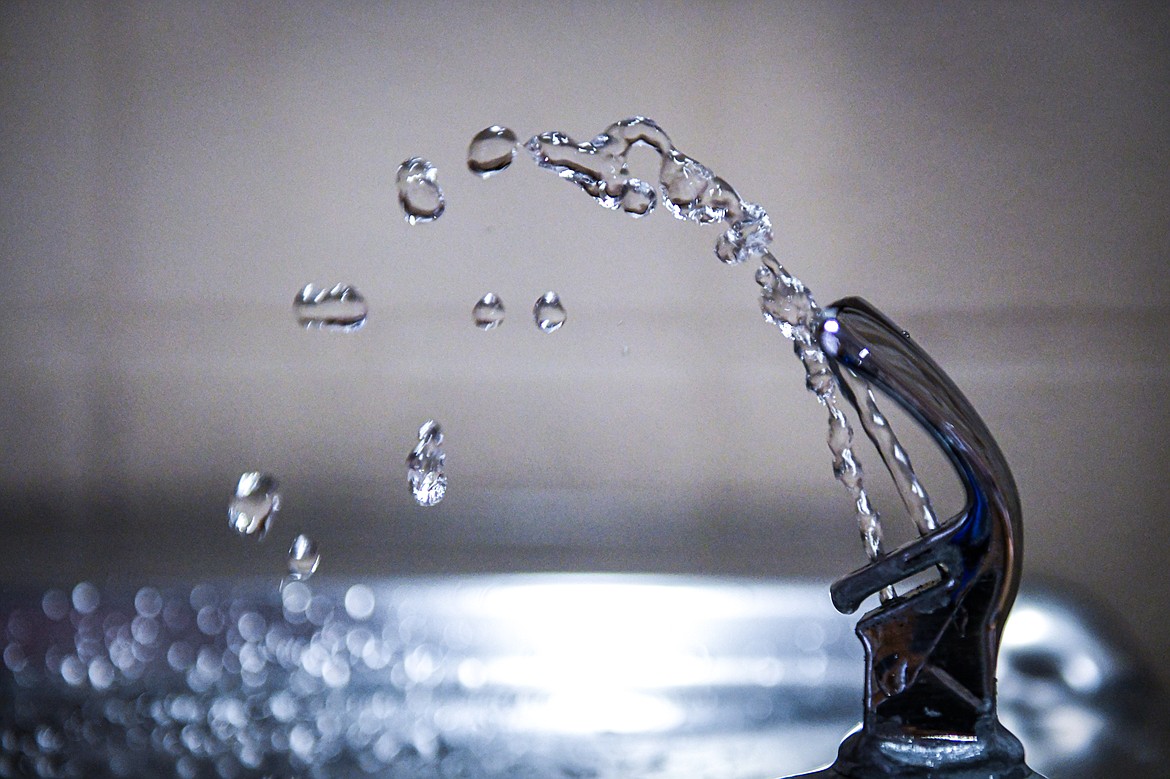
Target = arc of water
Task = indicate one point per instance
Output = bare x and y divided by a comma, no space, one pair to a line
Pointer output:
692,192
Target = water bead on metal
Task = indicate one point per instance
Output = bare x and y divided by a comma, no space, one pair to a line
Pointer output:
340,308
254,504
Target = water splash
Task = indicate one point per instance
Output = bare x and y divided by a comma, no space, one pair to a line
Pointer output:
491,150
548,312
424,465
340,308
692,192
688,188
254,504
419,193
488,312
303,558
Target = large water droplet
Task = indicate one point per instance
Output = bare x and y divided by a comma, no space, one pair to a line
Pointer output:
254,504
488,312
302,558
341,308
424,465
418,191
548,312
491,150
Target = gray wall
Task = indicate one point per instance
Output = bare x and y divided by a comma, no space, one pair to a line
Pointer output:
993,176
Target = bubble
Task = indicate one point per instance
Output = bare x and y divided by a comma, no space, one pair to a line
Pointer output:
148,602
14,658
101,673
73,670
254,504
55,604
251,626
340,308
295,597
144,630
488,312
302,558
548,312
424,465
209,620
86,598
491,150
180,656
359,602
418,191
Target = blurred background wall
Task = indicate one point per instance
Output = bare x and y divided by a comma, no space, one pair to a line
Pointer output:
993,176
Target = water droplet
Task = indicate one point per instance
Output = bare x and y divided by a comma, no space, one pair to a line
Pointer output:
254,504
684,183
746,238
548,312
341,308
302,558
639,198
491,150
488,313
424,465
418,191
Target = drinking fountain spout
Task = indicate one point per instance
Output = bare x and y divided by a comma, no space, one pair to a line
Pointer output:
930,653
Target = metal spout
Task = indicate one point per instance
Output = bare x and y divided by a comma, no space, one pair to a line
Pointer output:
930,706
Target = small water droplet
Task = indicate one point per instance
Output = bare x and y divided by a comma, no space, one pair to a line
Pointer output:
488,313
639,198
491,150
548,312
302,558
254,504
340,308
424,465
418,191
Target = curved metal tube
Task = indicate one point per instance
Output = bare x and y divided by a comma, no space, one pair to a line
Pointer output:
931,653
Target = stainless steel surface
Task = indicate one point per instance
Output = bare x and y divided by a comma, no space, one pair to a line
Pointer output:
587,676
932,648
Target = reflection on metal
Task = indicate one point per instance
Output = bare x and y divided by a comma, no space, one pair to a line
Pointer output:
930,654
611,677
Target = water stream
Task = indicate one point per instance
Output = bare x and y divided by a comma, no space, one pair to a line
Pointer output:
693,193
